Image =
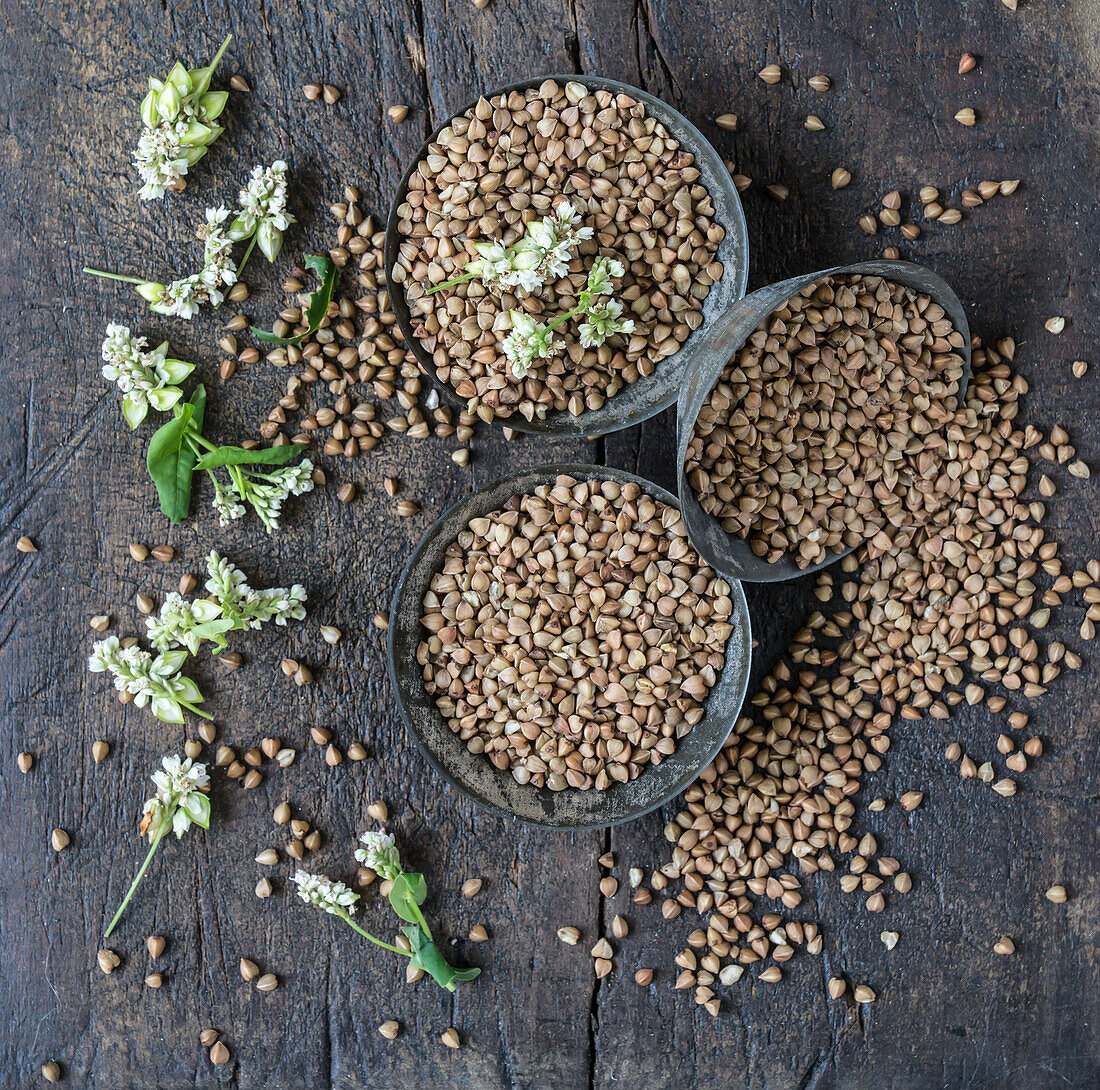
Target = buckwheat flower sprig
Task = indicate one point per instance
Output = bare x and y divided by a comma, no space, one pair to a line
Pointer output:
147,379
178,804
261,219
406,894
531,340
263,216
541,254
153,681
178,116
235,606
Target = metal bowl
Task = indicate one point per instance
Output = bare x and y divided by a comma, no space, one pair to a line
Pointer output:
472,773
725,552
650,395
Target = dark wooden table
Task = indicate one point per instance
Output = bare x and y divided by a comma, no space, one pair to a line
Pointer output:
950,1013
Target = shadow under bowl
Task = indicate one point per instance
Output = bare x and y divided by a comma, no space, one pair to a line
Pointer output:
725,552
472,773
651,394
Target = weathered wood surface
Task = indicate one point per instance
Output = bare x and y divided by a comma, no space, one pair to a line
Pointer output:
950,1013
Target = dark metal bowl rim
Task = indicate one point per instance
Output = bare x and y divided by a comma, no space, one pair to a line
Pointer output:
604,420
525,480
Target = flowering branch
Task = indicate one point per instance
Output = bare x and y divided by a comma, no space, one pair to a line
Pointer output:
406,895
531,339
178,803
178,115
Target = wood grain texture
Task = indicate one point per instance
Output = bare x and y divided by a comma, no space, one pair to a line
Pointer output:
950,1013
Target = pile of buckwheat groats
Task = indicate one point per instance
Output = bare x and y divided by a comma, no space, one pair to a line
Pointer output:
954,615
498,166
574,635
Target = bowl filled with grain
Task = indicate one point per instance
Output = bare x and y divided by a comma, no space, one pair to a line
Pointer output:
560,653
555,250
823,416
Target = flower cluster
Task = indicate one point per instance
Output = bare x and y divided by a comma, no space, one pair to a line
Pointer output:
156,682
531,340
147,379
264,492
178,116
179,801
334,897
263,213
380,854
234,606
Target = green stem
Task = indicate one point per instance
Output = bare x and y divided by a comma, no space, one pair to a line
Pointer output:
247,255
166,824
221,51
420,919
114,276
562,318
191,708
367,935
450,283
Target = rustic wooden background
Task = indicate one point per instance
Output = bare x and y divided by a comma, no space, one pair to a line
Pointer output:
950,1013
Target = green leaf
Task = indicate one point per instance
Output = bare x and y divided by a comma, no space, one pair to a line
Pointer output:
326,270
407,888
238,456
426,956
171,460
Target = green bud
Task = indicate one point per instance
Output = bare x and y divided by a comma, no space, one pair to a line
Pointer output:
180,78
197,133
270,240
169,102
149,110
212,104
150,291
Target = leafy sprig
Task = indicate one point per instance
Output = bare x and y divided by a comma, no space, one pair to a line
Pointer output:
407,893
178,450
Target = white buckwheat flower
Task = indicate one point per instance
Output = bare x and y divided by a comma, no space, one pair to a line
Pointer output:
380,854
528,341
174,625
334,897
178,783
603,322
263,209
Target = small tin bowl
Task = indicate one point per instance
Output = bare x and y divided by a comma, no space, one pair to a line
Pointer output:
649,395
472,773
725,552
